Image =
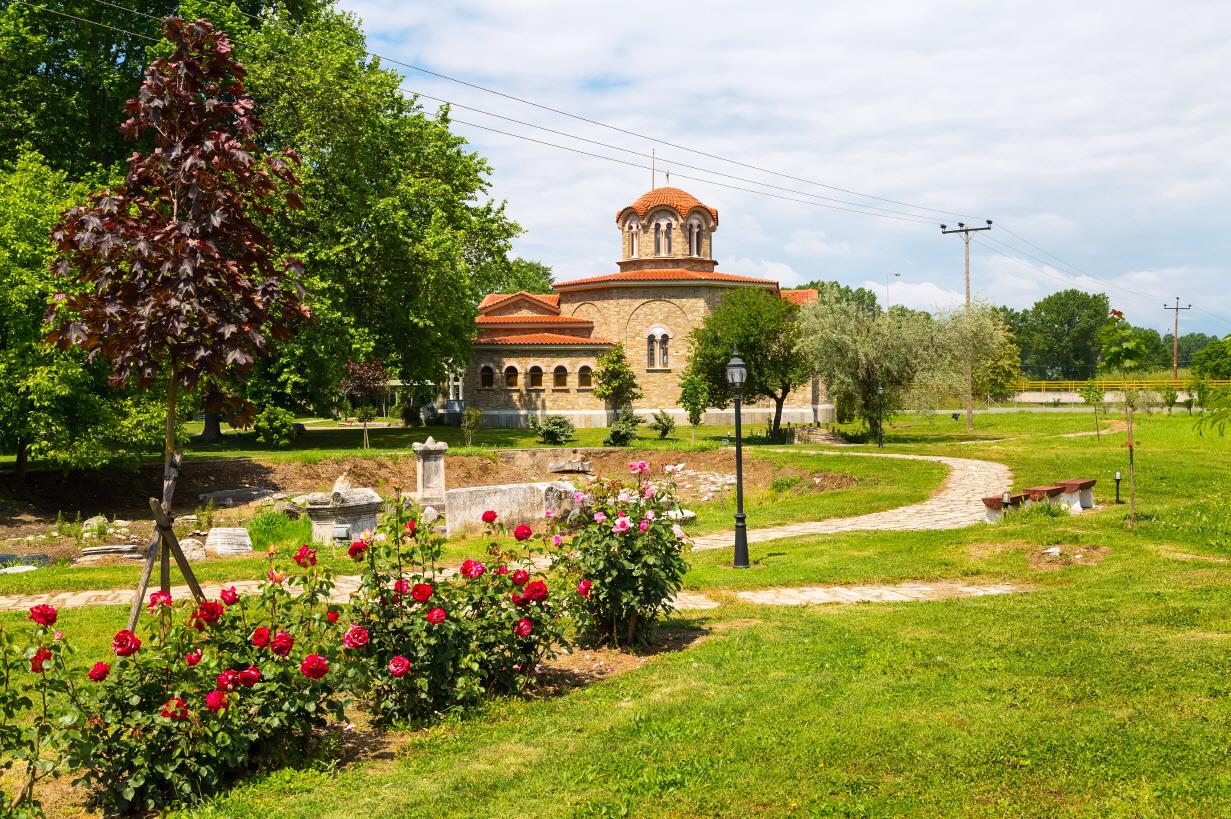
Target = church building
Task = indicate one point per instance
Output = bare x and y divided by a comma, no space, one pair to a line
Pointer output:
536,354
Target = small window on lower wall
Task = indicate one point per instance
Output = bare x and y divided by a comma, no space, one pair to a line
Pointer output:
510,376
559,377
487,377
536,377
583,377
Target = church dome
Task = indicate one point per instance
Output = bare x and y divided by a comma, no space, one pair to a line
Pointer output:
681,201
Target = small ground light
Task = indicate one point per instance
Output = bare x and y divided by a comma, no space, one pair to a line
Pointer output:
1118,486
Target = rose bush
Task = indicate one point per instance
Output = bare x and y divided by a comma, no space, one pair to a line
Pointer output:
433,643
196,700
626,560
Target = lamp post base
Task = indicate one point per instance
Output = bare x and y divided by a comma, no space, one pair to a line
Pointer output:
741,543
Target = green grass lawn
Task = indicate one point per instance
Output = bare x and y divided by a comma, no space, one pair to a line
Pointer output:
1101,691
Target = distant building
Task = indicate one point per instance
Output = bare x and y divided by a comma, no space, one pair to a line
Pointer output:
535,354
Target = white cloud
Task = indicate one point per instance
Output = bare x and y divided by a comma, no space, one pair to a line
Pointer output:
1102,139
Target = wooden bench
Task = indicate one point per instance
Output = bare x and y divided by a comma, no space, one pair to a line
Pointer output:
1044,494
1079,492
996,507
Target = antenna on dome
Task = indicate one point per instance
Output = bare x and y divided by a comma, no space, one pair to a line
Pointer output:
653,170
668,179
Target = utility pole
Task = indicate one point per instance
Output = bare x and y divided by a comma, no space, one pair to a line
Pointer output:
888,301
1175,338
970,398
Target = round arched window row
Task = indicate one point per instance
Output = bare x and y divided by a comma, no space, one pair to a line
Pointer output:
510,376
585,376
559,377
487,377
536,377
656,351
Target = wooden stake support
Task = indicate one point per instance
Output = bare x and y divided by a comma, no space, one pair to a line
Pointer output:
163,546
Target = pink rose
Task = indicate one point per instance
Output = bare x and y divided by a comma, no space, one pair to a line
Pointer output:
125,643
523,628
556,540
216,701
399,666
501,569
409,528
314,666
600,517
621,525
641,527
193,657
306,556
99,672
436,616
356,637
472,569
157,600
677,531
583,588
401,588
579,498
44,614
275,576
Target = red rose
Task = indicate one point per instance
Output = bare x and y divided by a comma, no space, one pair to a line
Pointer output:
175,709
436,616
193,657
216,701
421,593
523,532
314,666
125,643
43,614
399,666
472,569
518,599
357,549
208,612
501,569
523,628
157,600
282,644
583,588
332,616
520,577
260,637
356,637
40,657
229,596
536,592
306,556
409,528
99,672
401,588
228,680
250,676
489,516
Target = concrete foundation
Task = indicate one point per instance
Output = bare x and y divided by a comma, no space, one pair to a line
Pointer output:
514,503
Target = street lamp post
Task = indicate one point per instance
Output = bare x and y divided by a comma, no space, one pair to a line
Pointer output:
880,417
737,373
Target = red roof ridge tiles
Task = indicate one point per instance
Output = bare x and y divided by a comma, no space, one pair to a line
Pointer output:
533,319
680,200
671,274
493,300
801,298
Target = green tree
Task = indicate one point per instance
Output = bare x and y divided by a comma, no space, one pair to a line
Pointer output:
1092,394
522,274
869,361
694,399
614,380
1190,345
398,236
765,328
829,292
1213,362
1060,334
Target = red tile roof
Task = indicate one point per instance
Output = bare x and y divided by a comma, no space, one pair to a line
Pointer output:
571,321
549,300
541,339
674,274
801,298
681,201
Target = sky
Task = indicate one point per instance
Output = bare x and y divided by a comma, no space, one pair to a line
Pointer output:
1098,133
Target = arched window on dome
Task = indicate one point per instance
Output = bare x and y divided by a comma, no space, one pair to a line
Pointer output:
658,239
694,238
662,350
650,358
634,239
667,230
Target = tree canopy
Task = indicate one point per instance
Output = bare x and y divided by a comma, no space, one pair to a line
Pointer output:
1059,335
1214,360
829,292
765,329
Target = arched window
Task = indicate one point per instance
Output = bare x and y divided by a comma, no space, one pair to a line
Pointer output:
559,377
634,239
510,376
658,239
583,376
667,230
694,239
536,377
649,352
487,377
662,349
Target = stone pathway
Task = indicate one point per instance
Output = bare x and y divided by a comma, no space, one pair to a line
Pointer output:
958,503
903,592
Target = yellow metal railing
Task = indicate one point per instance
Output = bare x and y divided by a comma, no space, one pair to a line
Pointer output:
1110,384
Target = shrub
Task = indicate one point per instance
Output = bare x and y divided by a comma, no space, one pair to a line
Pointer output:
411,416
663,424
1169,396
472,419
275,427
626,557
783,483
211,690
434,645
553,430
622,430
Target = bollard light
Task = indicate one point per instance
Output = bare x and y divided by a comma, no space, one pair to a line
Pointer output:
1117,486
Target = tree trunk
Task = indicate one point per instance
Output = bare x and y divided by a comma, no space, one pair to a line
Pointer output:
212,433
1098,436
169,438
1132,476
23,450
779,400
365,434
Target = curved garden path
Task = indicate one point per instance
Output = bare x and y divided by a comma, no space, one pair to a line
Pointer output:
958,503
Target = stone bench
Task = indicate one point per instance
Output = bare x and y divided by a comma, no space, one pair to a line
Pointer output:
1078,493
996,507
